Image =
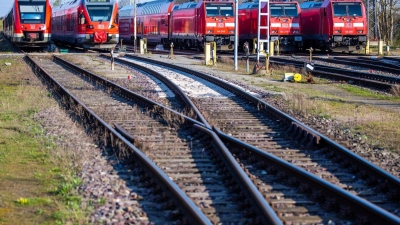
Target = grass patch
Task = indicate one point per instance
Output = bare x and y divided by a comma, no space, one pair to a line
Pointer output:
378,124
34,188
358,91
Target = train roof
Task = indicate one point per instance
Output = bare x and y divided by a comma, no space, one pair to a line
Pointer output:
186,5
320,4
254,4
74,3
307,5
146,8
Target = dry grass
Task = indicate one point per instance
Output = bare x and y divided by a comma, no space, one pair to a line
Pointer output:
225,63
395,90
379,125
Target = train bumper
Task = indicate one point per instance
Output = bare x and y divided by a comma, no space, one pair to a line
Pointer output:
21,41
89,41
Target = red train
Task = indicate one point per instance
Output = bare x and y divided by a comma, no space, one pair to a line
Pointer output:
186,25
86,23
28,23
285,23
152,19
339,25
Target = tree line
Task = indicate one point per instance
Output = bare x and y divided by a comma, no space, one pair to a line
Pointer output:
384,20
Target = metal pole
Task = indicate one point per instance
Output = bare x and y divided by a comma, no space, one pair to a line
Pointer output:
134,27
368,20
236,35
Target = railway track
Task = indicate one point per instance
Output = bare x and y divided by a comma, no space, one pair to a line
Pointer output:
340,177
191,159
237,119
374,80
364,62
304,204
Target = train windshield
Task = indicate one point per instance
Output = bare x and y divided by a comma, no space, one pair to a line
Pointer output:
347,9
213,9
32,12
283,10
99,13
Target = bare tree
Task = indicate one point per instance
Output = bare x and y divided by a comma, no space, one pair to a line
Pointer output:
384,15
387,11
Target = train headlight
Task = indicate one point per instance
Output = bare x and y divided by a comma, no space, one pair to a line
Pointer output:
295,32
359,31
231,31
43,27
209,31
338,31
274,31
22,27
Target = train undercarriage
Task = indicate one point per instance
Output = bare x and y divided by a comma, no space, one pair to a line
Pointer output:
339,43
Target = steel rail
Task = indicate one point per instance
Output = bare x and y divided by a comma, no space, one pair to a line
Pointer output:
123,91
352,73
187,205
301,130
393,58
171,85
267,215
359,62
379,60
263,208
354,80
364,208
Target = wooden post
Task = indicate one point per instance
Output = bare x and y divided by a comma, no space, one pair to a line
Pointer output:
112,58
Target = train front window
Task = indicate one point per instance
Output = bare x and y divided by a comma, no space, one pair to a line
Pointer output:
99,13
283,10
32,13
213,9
347,9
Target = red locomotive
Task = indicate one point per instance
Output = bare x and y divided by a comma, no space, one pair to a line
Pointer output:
28,23
285,25
194,23
339,25
86,23
186,25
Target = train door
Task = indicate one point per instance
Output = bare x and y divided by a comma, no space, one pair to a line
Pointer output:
196,24
158,26
131,28
169,26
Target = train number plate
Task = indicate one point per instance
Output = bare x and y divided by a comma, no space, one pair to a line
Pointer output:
100,26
